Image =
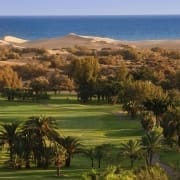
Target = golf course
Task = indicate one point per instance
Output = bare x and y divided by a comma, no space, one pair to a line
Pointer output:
93,124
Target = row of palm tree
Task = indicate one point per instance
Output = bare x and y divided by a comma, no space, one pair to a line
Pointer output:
37,141
142,149
145,149
99,153
170,124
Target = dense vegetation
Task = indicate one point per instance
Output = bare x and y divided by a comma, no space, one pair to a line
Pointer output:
136,80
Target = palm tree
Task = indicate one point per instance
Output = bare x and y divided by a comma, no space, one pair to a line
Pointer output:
148,120
151,142
159,105
132,107
132,150
20,150
37,131
72,146
60,157
90,153
27,139
101,152
8,135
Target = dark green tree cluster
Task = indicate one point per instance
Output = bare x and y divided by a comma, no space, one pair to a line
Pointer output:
37,141
84,73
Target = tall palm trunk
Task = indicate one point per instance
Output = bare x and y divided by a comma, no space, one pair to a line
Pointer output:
11,156
92,163
99,163
68,161
150,158
132,163
58,171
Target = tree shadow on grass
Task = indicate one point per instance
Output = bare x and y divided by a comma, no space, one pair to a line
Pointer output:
124,133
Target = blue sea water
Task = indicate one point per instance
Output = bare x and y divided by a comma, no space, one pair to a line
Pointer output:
117,27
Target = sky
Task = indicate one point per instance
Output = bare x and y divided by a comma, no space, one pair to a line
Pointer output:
89,7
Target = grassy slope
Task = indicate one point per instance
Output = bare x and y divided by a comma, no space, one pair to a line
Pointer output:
93,124
171,158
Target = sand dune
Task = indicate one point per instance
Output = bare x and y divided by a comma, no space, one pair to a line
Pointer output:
96,39
12,39
4,43
92,42
72,39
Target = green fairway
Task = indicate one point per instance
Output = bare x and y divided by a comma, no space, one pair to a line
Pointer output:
93,124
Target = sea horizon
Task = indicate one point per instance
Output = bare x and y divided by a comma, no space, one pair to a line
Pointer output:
120,27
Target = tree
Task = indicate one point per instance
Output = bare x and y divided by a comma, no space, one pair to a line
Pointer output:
84,73
90,153
54,82
39,85
151,142
140,95
159,105
66,84
9,93
132,108
134,94
121,73
42,129
72,146
31,71
8,136
60,158
24,147
101,152
9,78
145,74
171,126
132,150
54,152
148,121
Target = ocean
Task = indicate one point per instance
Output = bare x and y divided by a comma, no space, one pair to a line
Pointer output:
117,27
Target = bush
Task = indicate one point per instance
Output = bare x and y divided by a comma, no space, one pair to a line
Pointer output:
155,172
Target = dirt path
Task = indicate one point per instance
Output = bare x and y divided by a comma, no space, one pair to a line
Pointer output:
169,170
